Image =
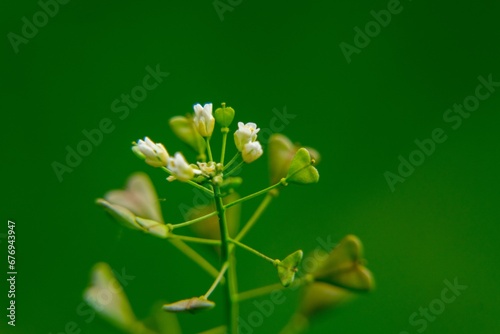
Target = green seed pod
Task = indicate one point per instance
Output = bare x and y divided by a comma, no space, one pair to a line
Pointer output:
224,115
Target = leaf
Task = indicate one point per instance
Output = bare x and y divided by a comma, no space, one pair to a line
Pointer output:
288,267
139,197
192,305
184,129
301,169
105,295
319,296
344,266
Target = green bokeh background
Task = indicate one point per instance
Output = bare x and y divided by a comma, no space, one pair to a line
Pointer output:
441,223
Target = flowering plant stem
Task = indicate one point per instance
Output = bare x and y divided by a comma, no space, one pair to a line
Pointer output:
209,150
224,131
258,193
256,215
252,250
232,161
230,288
194,256
193,220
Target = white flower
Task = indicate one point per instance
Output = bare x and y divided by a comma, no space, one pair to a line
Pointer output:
208,169
245,134
203,120
180,168
154,154
251,151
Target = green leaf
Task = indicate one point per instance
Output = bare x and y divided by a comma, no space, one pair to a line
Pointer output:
301,169
344,266
183,128
192,305
105,295
288,267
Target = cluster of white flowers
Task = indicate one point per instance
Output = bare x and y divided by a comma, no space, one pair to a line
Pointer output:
246,142
155,154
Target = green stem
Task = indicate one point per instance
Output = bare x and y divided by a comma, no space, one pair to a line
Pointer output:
258,193
251,250
232,161
194,256
209,150
195,240
254,293
265,290
235,169
256,215
231,302
217,280
193,221
224,131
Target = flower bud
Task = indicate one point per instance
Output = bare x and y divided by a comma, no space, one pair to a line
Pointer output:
203,120
245,134
154,154
251,151
180,168
224,115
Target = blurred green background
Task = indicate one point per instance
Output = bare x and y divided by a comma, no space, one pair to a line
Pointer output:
441,223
